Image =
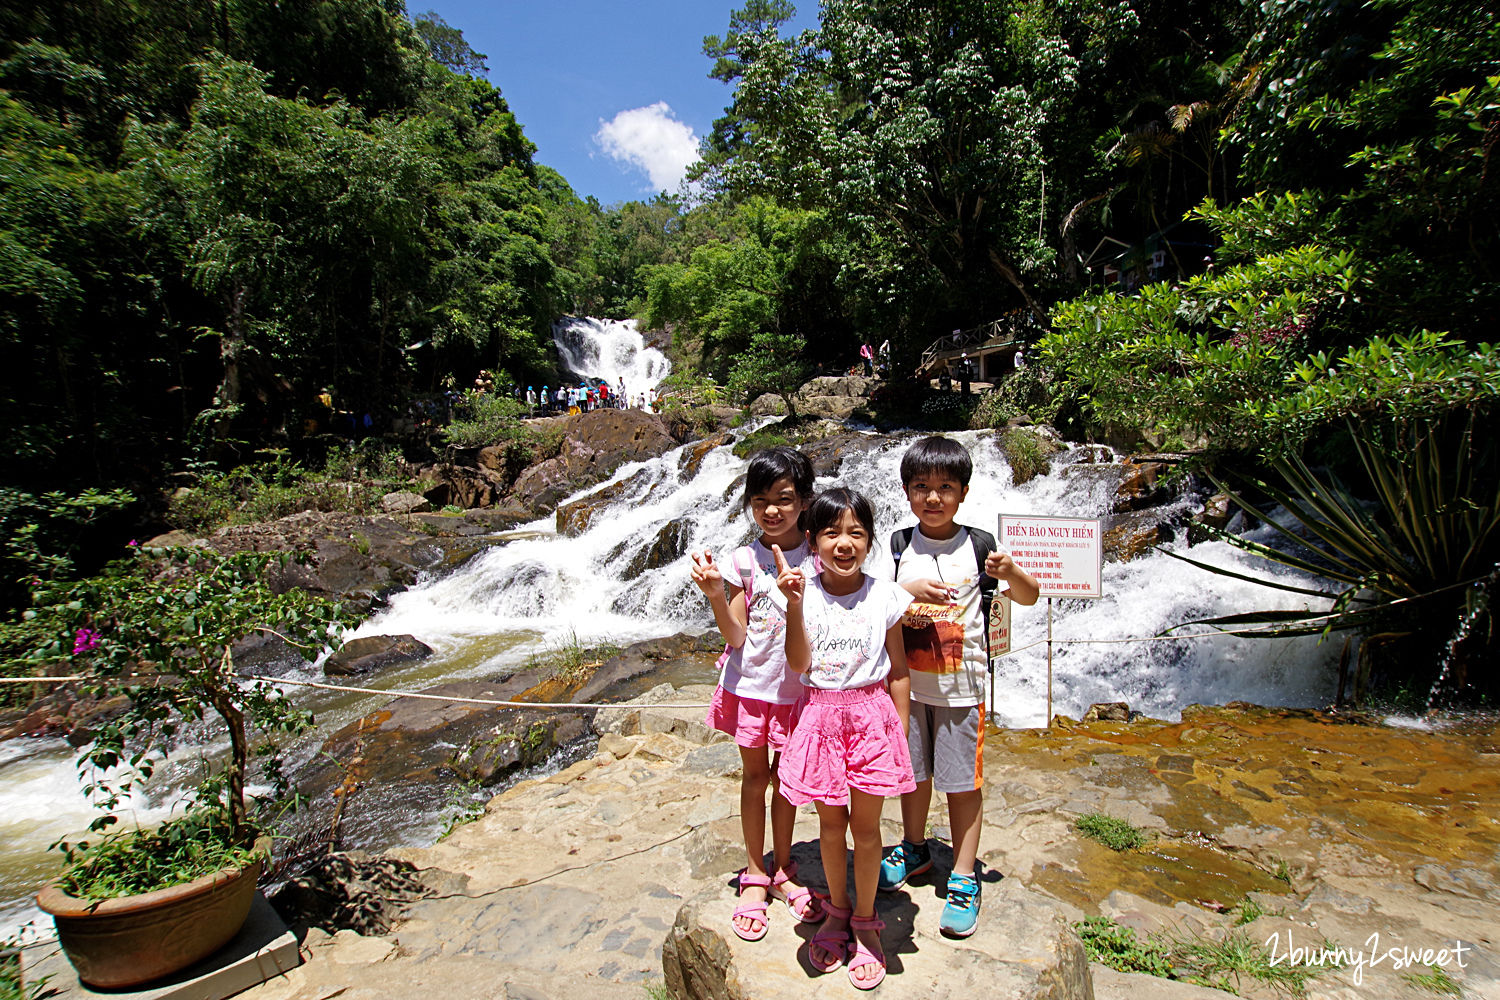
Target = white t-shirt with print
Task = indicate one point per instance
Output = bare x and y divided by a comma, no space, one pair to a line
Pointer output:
938,675
847,633
758,668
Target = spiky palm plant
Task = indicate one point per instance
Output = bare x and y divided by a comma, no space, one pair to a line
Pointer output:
1410,551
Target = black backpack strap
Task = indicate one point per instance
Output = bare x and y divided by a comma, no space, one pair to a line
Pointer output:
900,539
984,543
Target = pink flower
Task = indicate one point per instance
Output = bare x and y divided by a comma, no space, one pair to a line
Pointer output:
84,640
132,543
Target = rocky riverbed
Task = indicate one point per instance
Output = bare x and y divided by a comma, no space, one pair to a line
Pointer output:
1284,829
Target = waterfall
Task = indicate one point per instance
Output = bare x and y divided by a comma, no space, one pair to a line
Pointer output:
550,586
612,350
625,578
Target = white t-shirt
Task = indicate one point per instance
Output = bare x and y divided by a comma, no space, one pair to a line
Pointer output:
945,643
847,633
758,668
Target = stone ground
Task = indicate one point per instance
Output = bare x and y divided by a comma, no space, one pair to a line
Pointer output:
573,886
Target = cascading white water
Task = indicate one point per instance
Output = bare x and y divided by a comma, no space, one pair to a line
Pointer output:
541,590
612,350
554,586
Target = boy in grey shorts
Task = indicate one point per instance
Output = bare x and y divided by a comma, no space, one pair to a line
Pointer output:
939,564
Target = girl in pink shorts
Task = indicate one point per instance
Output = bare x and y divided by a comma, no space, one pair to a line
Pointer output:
848,751
758,699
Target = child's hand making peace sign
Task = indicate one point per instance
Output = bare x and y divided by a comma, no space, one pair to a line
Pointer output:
789,581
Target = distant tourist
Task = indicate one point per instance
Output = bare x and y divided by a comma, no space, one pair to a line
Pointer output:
869,358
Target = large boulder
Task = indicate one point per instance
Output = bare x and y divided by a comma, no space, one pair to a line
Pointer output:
375,652
408,751
831,397
575,518
461,486
827,455
355,558
596,445
1024,949
1142,487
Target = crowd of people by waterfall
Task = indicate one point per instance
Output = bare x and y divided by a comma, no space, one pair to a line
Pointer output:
843,690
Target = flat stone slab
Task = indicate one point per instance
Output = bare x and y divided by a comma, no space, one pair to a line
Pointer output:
263,950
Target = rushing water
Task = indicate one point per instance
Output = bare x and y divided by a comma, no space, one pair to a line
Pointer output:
612,350
539,590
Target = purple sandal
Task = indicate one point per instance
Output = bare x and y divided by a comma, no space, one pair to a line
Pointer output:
833,944
755,911
862,956
803,903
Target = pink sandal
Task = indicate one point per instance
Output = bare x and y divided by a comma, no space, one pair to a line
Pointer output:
755,911
803,903
862,956
833,944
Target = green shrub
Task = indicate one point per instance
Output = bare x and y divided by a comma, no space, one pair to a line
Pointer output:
491,420
767,437
1115,834
1119,948
1026,452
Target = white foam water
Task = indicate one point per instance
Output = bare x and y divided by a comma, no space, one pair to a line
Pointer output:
612,350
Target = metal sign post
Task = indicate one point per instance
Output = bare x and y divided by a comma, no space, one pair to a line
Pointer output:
1049,663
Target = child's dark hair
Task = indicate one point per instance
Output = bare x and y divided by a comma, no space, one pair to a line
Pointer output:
936,456
827,507
780,462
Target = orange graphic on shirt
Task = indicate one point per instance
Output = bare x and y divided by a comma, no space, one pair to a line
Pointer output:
933,635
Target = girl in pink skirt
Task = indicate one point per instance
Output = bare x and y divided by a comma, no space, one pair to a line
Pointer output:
758,698
848,751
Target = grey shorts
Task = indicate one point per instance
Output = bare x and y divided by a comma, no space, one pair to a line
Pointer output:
947,745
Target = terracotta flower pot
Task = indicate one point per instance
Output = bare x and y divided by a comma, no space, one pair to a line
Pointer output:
136,939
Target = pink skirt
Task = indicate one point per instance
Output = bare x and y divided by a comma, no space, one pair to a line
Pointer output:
752,722
844,740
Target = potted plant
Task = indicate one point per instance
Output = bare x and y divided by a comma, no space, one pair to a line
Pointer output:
157,627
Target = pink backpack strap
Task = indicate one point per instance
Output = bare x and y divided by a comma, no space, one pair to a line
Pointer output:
743,561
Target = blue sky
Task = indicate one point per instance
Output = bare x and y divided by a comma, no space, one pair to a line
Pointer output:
614,94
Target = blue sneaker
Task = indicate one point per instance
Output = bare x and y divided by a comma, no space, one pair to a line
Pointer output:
901,863
961,912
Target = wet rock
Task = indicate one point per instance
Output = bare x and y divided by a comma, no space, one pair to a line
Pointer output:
404,502
409,752
1135,534
668,545
596,445
694,454
1142,487
375,652
577,517
1213,517
62,712
679,659
828,454
347,556
1108,711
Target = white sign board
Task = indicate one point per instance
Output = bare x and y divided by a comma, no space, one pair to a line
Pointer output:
1065,554
999,629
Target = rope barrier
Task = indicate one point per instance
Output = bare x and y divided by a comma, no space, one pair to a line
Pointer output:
1264,630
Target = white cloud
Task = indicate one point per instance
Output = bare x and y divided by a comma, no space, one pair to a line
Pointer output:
652,140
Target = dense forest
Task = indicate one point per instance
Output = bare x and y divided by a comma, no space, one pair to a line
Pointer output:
1269,227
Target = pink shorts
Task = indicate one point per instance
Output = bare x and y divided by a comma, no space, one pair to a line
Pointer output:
844,740
752,722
